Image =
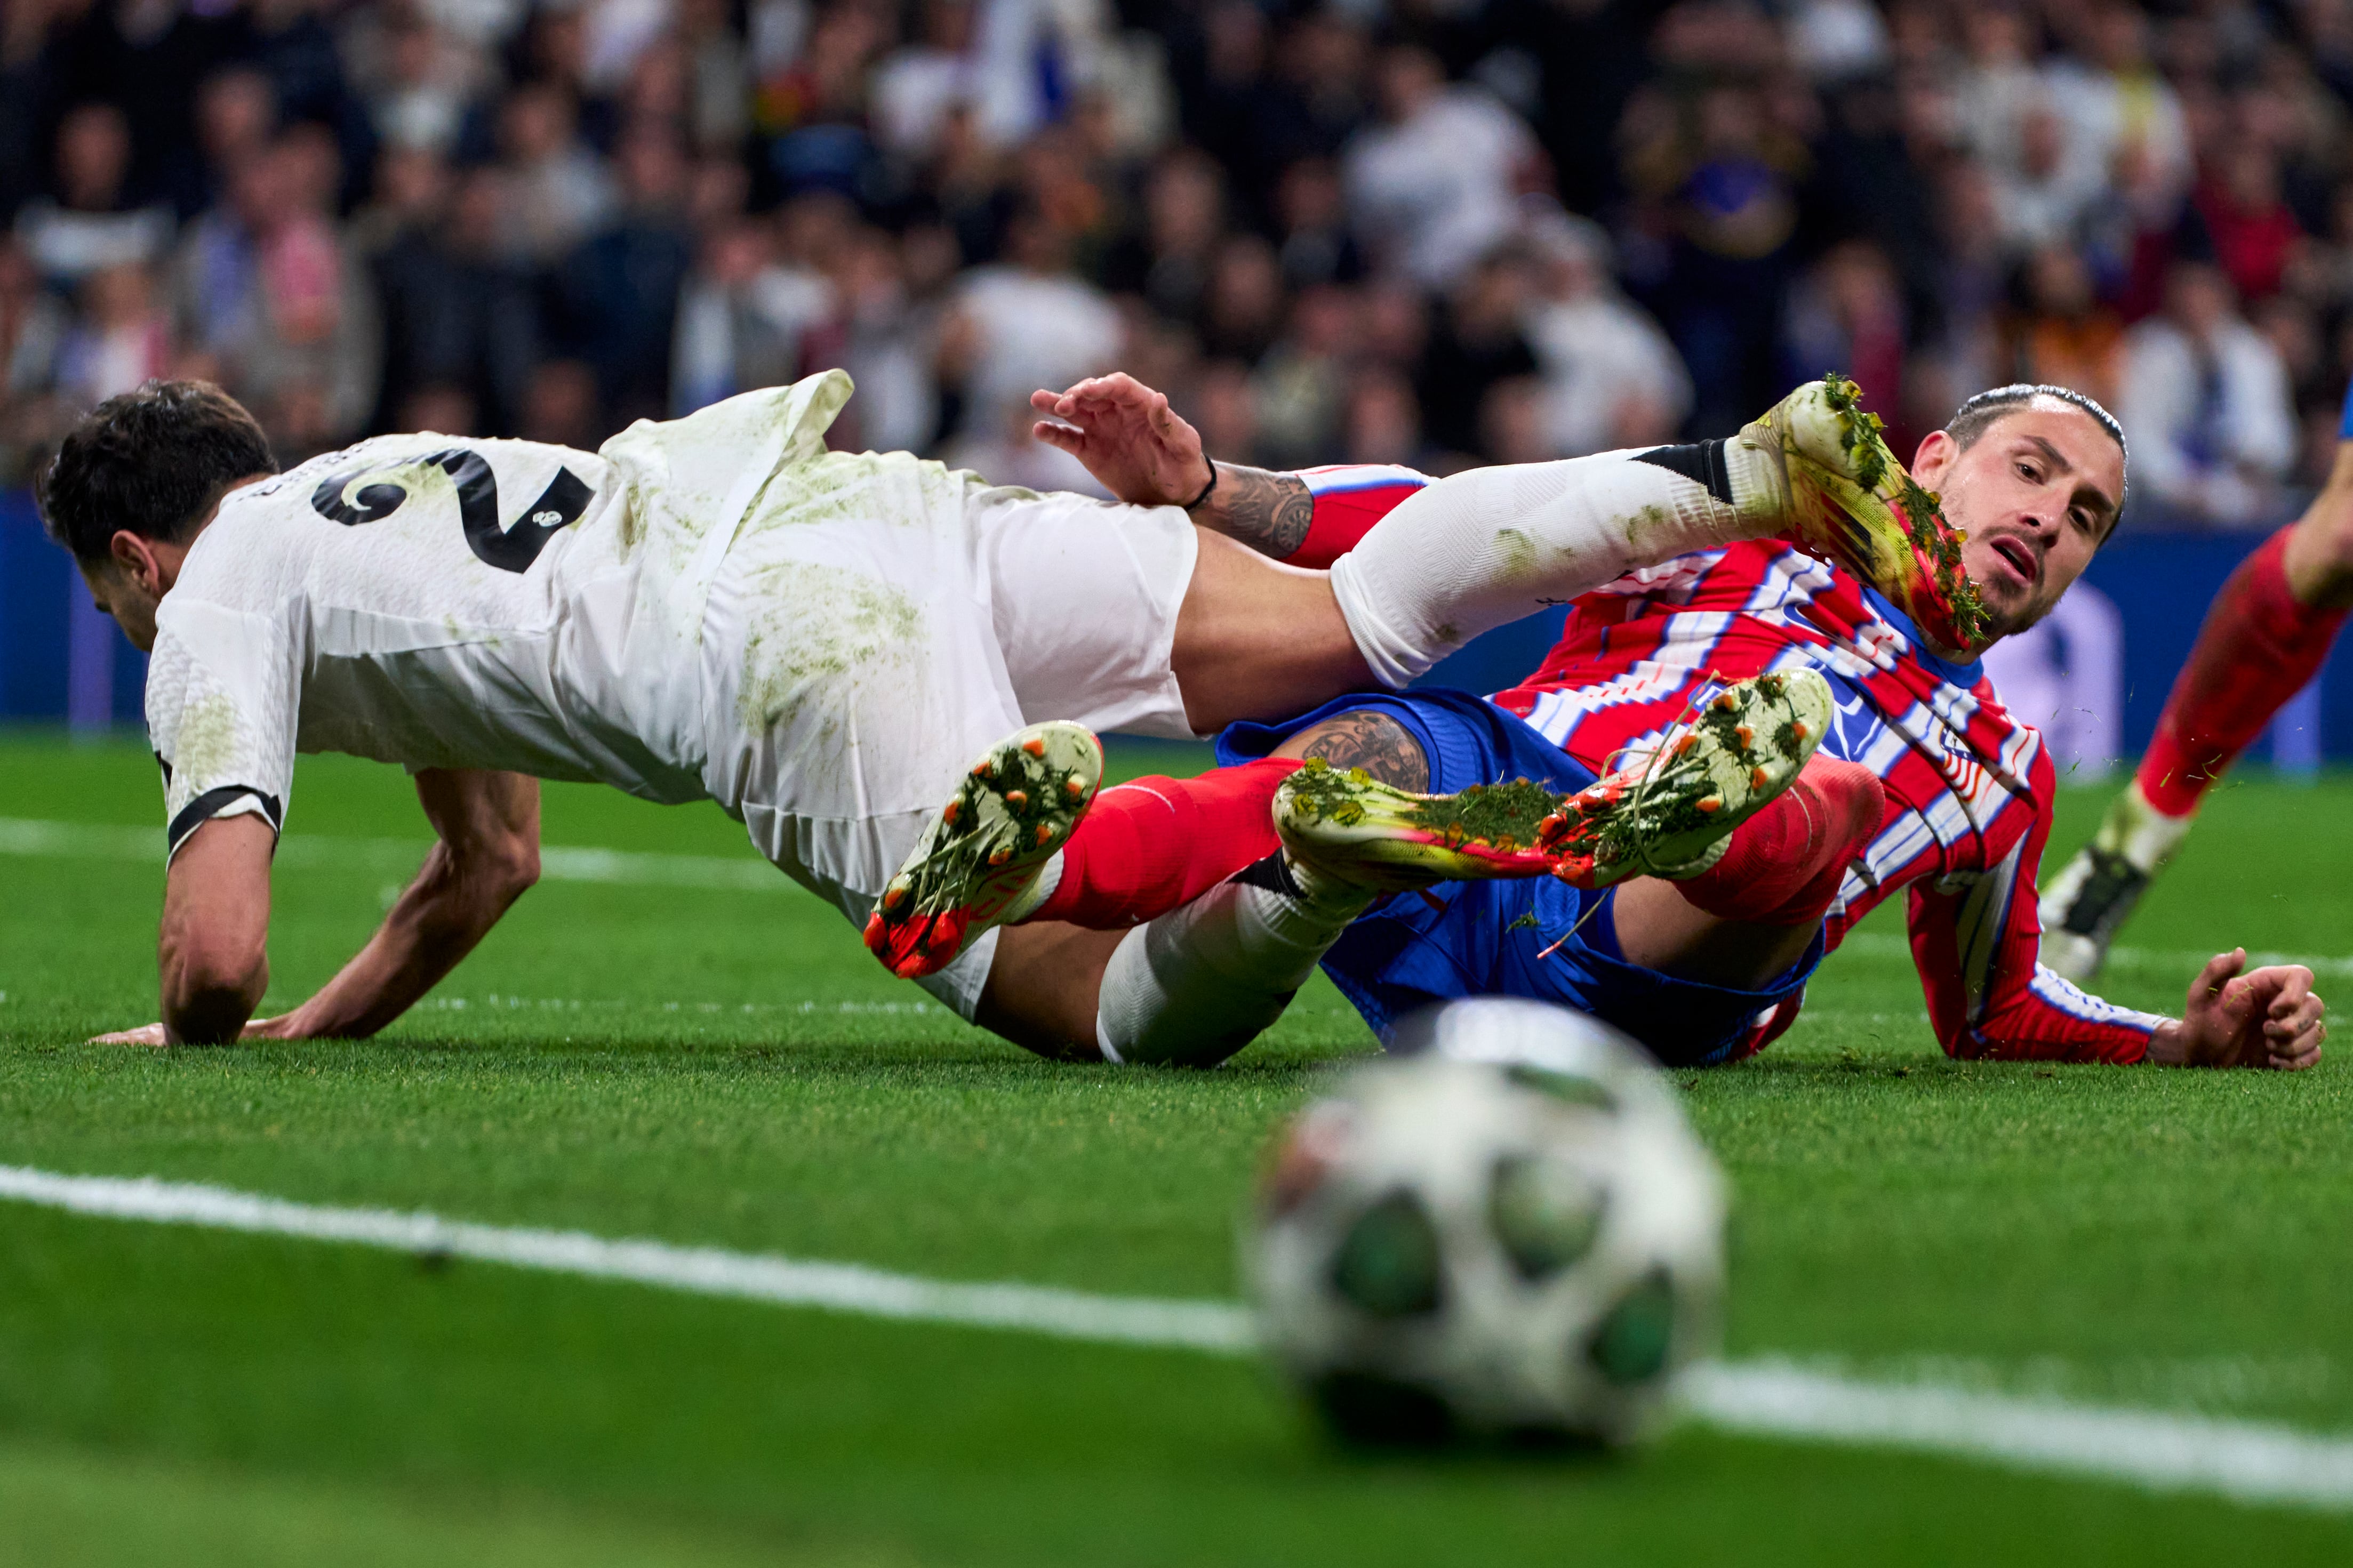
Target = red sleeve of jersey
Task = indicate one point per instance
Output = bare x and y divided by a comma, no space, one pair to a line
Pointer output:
1978,947
1349,498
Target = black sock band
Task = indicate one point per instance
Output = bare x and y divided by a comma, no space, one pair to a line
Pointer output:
1273,874
1700,460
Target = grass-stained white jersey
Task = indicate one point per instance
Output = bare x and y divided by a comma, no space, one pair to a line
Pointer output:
443,601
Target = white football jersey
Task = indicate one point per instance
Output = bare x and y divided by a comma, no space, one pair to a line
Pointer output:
445,602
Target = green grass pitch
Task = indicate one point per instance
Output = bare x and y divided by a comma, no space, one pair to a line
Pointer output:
727,1067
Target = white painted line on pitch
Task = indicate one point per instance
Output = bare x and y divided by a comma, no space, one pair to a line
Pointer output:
557,862
705,1270
2244,1460
2247,1461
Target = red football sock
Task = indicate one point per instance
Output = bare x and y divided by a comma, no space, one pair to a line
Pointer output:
1340,522
2258,647
1784,865
1152,843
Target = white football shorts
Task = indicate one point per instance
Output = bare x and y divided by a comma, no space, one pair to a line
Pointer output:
867,639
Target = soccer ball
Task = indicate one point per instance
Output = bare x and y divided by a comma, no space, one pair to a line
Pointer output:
1506,1230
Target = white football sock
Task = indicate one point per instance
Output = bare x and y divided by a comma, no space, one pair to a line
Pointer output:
2139,832
1201,982
1486,547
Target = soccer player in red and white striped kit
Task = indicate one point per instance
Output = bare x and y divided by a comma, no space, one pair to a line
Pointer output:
1925,784
2265,637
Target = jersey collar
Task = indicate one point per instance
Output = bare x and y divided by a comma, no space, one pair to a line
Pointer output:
1964,675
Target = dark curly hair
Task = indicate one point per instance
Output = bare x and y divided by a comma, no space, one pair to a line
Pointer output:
154,462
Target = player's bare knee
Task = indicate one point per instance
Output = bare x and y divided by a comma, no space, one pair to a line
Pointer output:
1368,738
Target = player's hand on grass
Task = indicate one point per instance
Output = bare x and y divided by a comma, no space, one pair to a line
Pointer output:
2267,1017
149,1035
285,1026
1128,437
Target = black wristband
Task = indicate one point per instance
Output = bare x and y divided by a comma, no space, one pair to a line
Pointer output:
1194,503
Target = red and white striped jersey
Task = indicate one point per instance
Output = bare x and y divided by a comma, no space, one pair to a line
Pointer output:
1968,787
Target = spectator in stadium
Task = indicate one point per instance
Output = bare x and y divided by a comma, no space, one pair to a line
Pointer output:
1968,289
2206,402
2115,102
916,85
1434,183
1027,321
121,338
267,294
741,316
1310,212
557,191
149,60
90,221
293,47
33,327
2046,193
1848,315
1383,420
1611,378
236,118
1996,86
2246,219
424,82
1476,346
1242,310
871,330
1301,383
456,311
1184,217
2057,333
1721,182
616,295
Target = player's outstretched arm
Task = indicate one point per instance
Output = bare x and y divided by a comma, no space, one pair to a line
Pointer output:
488,854
2267,1017
211,951
1147,454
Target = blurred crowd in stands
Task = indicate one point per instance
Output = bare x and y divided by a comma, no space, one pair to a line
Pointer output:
1434,232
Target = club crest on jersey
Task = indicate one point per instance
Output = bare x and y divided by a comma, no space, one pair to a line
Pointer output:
509,550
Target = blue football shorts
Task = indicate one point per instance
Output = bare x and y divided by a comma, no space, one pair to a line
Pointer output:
1475,939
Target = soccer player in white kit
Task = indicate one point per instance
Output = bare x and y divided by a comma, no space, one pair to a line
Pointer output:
719,607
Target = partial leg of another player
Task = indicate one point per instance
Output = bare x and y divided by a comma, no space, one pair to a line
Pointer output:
2266,636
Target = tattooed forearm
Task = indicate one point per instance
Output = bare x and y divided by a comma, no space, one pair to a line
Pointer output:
1373,741
1268,512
